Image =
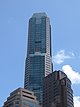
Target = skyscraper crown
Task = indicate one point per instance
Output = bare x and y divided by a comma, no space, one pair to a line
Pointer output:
39,15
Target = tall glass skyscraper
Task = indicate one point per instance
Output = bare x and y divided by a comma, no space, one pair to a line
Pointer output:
38,61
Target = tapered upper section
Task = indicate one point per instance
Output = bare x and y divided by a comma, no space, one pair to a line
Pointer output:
39,34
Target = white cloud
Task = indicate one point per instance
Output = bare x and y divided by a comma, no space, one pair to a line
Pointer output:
72,75
77,101
61,56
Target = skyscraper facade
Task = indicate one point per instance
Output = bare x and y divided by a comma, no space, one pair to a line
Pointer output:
57,91
21,98
38,60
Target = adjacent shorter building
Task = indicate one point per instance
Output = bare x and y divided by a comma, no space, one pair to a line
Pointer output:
21,98
57,90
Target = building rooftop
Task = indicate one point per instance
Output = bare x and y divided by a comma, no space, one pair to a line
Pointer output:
38,15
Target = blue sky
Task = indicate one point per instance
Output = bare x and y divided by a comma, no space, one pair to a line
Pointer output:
65,23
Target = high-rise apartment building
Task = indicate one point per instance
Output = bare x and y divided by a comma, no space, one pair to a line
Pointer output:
38,61
57,90
21,98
